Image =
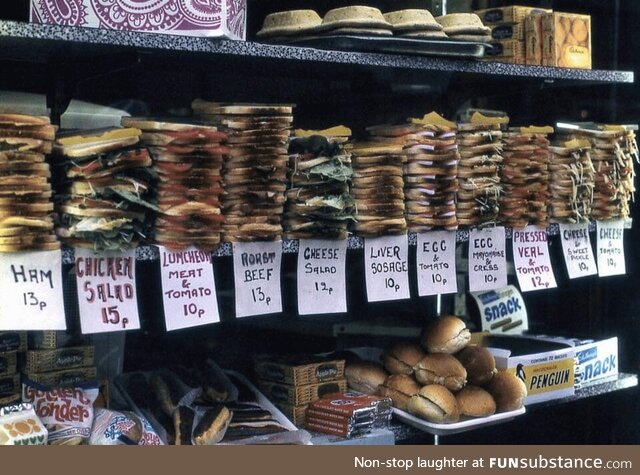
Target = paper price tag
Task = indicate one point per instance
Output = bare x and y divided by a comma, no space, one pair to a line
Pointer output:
385,260
107,291
188,288
31,289
436,263
576,247
487,259
321,276
256,269
611,248
531,259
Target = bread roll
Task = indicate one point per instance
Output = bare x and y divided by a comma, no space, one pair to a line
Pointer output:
508,390
434,403
448,334
443,369
400,388
479,363
365,376
402,357
475,402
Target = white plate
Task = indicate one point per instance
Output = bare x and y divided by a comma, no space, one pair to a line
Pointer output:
455,427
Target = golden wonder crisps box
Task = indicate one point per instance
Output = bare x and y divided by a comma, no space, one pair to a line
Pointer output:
547,368
566,40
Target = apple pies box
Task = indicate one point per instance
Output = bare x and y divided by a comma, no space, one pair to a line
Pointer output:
210,18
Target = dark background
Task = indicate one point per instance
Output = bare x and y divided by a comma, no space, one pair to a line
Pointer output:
359,96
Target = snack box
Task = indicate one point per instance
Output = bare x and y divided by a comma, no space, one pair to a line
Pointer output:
566,40
508,31
10,399
507,51
298,370
38,361
53,340
19,425
508,14
218,19
13,341
65,377
298,395
296,414
9,385
533,40
8,363
546,367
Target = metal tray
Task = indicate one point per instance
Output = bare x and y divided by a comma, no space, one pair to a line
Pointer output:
381,44
455,427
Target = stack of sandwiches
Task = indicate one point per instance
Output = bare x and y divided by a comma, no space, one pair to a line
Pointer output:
25,189
430,182
107,189
571,182
319,202
255,168
188,161
480,147
415,23
378,184
613,152
524,177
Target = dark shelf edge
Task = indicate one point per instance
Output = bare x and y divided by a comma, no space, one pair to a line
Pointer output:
48,36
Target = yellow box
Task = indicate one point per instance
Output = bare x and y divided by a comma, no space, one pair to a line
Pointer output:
508,31
509,48
509,14
533,40
566,41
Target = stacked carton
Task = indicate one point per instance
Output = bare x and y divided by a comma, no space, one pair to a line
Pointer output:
11,345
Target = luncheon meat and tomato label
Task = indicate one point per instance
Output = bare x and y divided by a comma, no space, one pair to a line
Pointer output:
321,276
531,259
188,288
576,247
436,263
32,297
487,259
386,271
256,269
106,291
611,248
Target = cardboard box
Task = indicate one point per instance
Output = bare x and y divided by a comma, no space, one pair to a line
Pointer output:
220,18
9,385
13,341
533,40
547,368
64,378
20,426
8,363
508,49
508,31
38,361
295,413
298,370
509,14
299,395
52,340
566,40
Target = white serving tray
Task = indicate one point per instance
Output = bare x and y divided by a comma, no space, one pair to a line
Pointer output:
455,427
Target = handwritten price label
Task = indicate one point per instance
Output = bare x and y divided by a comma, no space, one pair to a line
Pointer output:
611,248
31,289
436,263
107,296
487,259
576,247
321,277
256,268
386,273
188,288
531,259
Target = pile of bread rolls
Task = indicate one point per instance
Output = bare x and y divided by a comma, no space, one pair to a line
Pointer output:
441,379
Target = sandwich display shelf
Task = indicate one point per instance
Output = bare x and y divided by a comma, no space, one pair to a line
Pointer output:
62,62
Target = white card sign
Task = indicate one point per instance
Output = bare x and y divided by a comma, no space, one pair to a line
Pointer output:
436,263
321,276
31,289
611,248
256,269
576,247
386,273
487,259
107,295
188,288
531,259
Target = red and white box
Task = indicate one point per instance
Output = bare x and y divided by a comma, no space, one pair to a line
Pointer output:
210,18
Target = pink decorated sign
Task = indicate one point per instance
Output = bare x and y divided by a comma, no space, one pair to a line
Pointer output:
215,18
